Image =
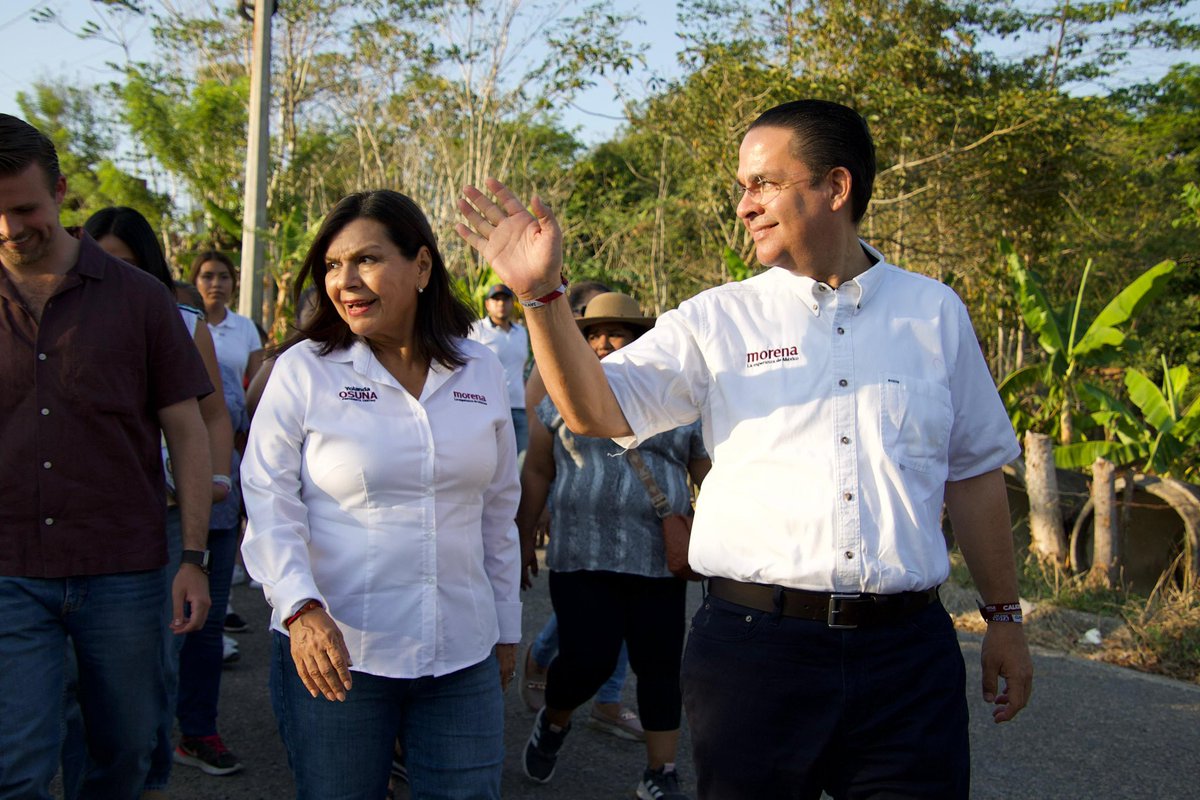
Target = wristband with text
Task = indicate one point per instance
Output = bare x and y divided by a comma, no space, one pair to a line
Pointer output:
547,298
301,611
1001,612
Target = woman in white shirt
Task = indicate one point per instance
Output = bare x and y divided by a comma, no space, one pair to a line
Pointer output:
238,342
381,484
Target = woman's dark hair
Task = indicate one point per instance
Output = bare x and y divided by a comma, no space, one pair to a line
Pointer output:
131,227
580,292
442,316
827,135
207,256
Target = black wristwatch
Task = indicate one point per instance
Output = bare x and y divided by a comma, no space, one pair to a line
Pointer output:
197,557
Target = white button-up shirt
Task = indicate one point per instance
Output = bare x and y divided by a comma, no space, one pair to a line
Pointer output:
234,339
512,348
834,419
396,513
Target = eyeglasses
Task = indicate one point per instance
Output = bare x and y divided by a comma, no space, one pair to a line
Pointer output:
761,190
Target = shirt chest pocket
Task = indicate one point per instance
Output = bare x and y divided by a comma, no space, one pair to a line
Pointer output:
915,417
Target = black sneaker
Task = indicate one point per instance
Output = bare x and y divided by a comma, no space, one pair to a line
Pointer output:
541,751
208,753
235,624
660,784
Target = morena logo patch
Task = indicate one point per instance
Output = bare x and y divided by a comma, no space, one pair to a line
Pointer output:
468,397
359,394
773,355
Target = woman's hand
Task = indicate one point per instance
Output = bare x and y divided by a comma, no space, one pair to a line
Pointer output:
506,654
320,655
526,252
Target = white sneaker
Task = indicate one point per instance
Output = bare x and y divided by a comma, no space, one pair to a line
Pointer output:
231,653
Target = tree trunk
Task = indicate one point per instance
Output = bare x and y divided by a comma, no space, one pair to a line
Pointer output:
1106,548
1047,539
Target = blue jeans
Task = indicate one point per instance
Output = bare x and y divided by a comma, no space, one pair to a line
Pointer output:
451,727
521,428
545,648
113,622
192,663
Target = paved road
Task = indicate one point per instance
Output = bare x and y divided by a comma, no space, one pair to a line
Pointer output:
1093,731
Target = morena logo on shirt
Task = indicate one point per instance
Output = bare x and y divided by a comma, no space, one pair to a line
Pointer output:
359,394
773,355
468,397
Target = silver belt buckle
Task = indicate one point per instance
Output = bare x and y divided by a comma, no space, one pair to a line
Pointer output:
835,610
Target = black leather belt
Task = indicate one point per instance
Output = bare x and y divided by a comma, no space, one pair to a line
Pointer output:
835,609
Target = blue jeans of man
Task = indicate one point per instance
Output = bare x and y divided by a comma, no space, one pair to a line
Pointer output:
113,622
787,707
451,728
545,648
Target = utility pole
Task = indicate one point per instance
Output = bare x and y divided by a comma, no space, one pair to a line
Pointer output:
254,218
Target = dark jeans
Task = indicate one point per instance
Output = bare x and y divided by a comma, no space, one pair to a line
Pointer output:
596,612
782,708
451,728
113,622
202,657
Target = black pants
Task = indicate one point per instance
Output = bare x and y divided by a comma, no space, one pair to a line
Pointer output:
596,611
782,708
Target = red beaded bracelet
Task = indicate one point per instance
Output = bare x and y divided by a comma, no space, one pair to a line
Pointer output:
301,611
1001,612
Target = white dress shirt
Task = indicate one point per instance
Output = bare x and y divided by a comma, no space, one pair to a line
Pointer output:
512,348
396,513
834,419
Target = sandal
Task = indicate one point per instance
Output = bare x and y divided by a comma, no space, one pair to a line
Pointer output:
533,689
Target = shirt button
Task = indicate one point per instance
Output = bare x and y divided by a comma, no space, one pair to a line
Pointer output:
41,356
815,306
45,465
845,440
45,412
849,555
843,382
429,580
821,287
849,496
49,520
841,330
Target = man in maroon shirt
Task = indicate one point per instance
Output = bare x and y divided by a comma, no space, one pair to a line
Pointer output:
94,360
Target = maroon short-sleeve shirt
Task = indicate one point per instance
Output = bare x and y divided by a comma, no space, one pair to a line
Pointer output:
81,479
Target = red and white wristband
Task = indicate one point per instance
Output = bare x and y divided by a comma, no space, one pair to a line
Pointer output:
1001,612
547,298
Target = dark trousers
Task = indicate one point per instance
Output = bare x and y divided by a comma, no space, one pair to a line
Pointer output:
596,612
785,708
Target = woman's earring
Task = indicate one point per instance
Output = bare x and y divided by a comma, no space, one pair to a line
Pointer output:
420,289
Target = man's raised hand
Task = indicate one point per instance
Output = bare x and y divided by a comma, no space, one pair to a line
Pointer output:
525,249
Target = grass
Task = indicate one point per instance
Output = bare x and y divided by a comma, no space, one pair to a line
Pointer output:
1158,634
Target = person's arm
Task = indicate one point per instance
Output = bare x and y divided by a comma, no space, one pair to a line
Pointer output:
526,252
187,442
254,363
698,469
537,475
978,509
258,383
501,548
215,414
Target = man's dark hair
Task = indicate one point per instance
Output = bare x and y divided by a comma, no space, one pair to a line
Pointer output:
580,293
827,135
442,316
21,144
128,225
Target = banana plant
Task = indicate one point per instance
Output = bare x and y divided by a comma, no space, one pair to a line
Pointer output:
1160,438
1044,396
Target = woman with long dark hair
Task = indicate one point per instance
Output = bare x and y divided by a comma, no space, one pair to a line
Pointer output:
381,486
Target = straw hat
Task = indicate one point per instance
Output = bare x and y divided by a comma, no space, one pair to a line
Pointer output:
614,307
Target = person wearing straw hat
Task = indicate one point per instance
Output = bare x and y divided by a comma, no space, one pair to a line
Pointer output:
608,579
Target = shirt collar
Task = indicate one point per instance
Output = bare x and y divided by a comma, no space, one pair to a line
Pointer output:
360,358
857,290
92,258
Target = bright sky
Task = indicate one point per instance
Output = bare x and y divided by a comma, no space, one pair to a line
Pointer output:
35,52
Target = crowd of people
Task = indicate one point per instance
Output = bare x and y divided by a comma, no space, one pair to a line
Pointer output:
390,468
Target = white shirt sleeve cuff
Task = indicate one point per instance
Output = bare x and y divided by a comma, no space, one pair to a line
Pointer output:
508,615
